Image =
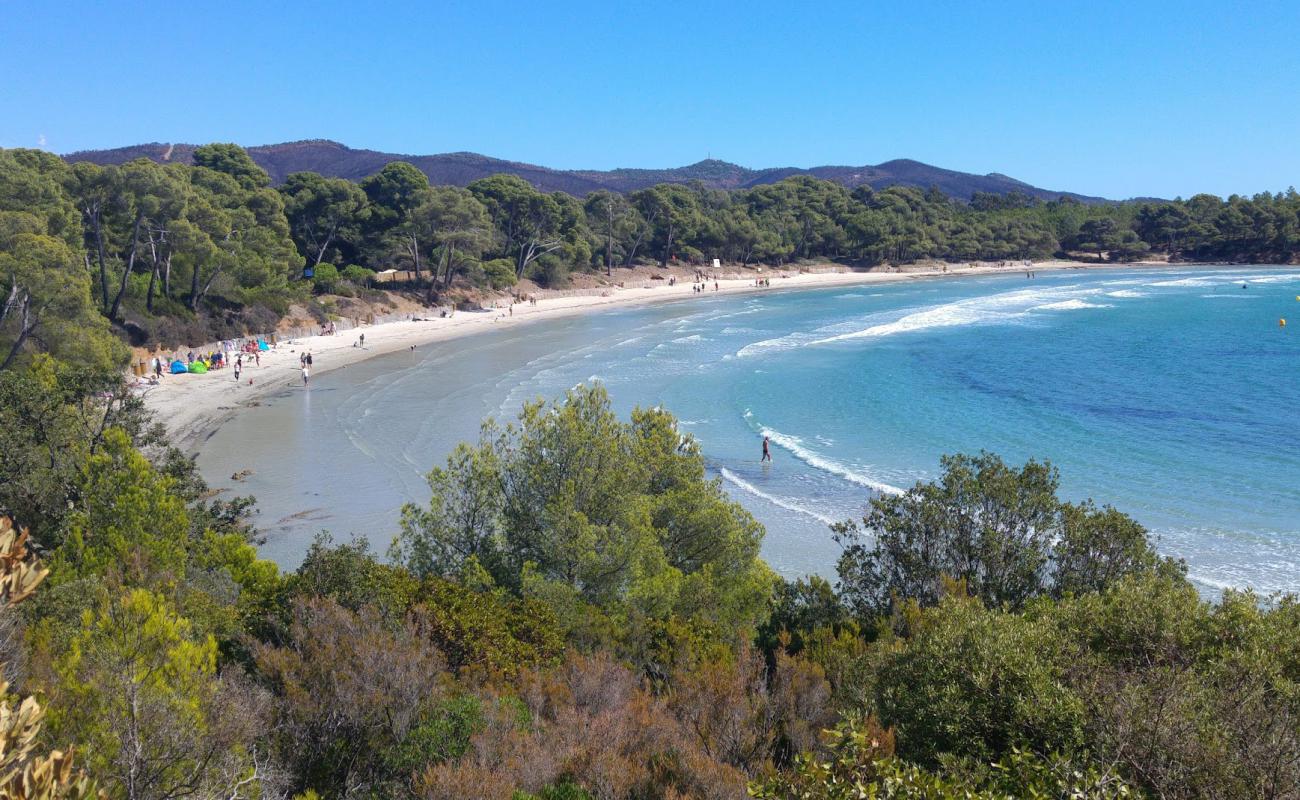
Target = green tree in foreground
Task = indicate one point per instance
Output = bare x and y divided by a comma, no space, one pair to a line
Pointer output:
1001,530
859,765
576,507
25,775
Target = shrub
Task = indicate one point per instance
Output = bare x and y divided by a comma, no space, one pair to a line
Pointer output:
358,274
326,280
500,273
549,271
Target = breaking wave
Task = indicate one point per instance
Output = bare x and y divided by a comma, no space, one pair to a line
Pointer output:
781,502
795,447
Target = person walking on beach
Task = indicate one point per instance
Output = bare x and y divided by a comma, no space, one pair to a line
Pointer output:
767,450
238,367
257,358
309,358
306,374
363,340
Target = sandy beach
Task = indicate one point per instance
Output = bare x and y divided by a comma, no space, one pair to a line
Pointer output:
193,406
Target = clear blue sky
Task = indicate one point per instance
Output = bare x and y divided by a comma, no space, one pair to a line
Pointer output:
1116,99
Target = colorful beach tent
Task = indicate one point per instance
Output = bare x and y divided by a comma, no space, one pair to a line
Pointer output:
261,345
198,368
178,368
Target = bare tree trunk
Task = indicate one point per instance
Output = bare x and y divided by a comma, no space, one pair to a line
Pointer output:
153,276
193,302
631,252
153,281
320,254
97,226
25,325
413,247
668,245
130,265
609,244
197,294
640,238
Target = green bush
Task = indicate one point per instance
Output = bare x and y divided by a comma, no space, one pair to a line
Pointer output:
443,736
326,280
357,274
500,273
549,271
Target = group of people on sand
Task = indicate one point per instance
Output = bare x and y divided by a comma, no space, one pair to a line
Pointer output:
765,283
700,288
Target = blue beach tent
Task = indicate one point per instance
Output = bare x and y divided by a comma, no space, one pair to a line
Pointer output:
179,368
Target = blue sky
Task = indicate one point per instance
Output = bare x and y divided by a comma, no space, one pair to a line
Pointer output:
1115,99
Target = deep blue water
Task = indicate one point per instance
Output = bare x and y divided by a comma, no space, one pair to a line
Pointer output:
1173,395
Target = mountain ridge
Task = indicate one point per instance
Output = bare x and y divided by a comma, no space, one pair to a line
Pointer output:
335,159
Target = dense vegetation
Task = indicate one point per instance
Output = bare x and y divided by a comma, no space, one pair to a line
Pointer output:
175,253
578,612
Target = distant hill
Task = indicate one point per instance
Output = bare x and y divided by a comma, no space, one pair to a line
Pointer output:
458,169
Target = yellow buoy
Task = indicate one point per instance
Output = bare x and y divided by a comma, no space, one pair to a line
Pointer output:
1281,323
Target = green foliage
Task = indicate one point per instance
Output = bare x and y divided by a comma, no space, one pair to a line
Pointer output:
325,215
138,687
499,273
168,246
1001,530
488,633
577,508
326,279
47,431
46,304
232,160
351,577
358,274
443,735
858,765
130,521
972,682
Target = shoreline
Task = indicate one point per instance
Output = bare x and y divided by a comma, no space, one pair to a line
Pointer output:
192,407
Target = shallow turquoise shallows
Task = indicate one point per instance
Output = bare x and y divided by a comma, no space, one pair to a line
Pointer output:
1173,395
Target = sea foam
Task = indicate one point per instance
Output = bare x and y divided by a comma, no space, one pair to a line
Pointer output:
780,502
794,445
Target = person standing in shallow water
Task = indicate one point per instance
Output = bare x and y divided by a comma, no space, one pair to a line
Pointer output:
767,450
306,373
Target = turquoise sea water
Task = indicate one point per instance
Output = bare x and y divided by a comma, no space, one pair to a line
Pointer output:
1171,394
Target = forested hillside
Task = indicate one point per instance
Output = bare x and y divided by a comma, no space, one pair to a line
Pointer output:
335,160
179,253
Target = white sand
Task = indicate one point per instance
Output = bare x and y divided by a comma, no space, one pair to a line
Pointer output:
192,406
